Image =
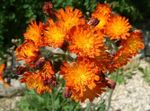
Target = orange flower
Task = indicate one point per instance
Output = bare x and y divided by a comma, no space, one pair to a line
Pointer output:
102,13
35,81
134,43
85,42
69,17
103,19
82,79
120,59
130,48
103,61
27,51
34,32
103,9
4,83
117,27
40,80
2,66
54,34
47,71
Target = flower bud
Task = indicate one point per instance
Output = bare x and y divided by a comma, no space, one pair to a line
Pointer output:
93,22
67,92
110,83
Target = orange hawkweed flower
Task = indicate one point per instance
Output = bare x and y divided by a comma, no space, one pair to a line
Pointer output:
102,13
85,42
120,59
54,34
134,42
69,17
40,80
47,71
82,79
103,61
36,82
2,66
103,19
117,27
103,9
130,48
34,32
27,51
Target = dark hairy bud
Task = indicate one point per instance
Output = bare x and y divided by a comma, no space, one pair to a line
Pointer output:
21,69
39,63
48,9
67,92
93,22
110,83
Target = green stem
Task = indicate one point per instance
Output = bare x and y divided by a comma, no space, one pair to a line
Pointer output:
52,102
109,100
111,93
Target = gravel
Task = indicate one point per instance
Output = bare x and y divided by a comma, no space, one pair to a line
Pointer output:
134,95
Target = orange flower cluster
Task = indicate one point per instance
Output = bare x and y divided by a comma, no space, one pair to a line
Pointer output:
91,41
2,67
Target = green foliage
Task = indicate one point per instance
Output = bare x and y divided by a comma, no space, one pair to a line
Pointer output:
86,6
126,8
118,76
146,73
54,102
47,102
132,9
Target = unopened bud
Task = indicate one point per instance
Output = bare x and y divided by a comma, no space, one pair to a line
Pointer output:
48,9
20,70
110,83
50,81
93,22
39,63
67,92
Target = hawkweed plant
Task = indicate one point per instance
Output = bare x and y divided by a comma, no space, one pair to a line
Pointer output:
82,51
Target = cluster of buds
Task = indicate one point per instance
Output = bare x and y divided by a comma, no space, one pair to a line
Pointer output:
82,51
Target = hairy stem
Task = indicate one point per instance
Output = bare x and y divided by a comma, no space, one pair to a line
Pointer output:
111,92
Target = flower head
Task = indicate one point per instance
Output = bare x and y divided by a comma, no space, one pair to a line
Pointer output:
117,27
103,9
69,17
47,71
4,83
27,51
35,81
82,79
2,66
39,80
130,47
120,59
54,34
134,42
85,42
102,13
34,32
